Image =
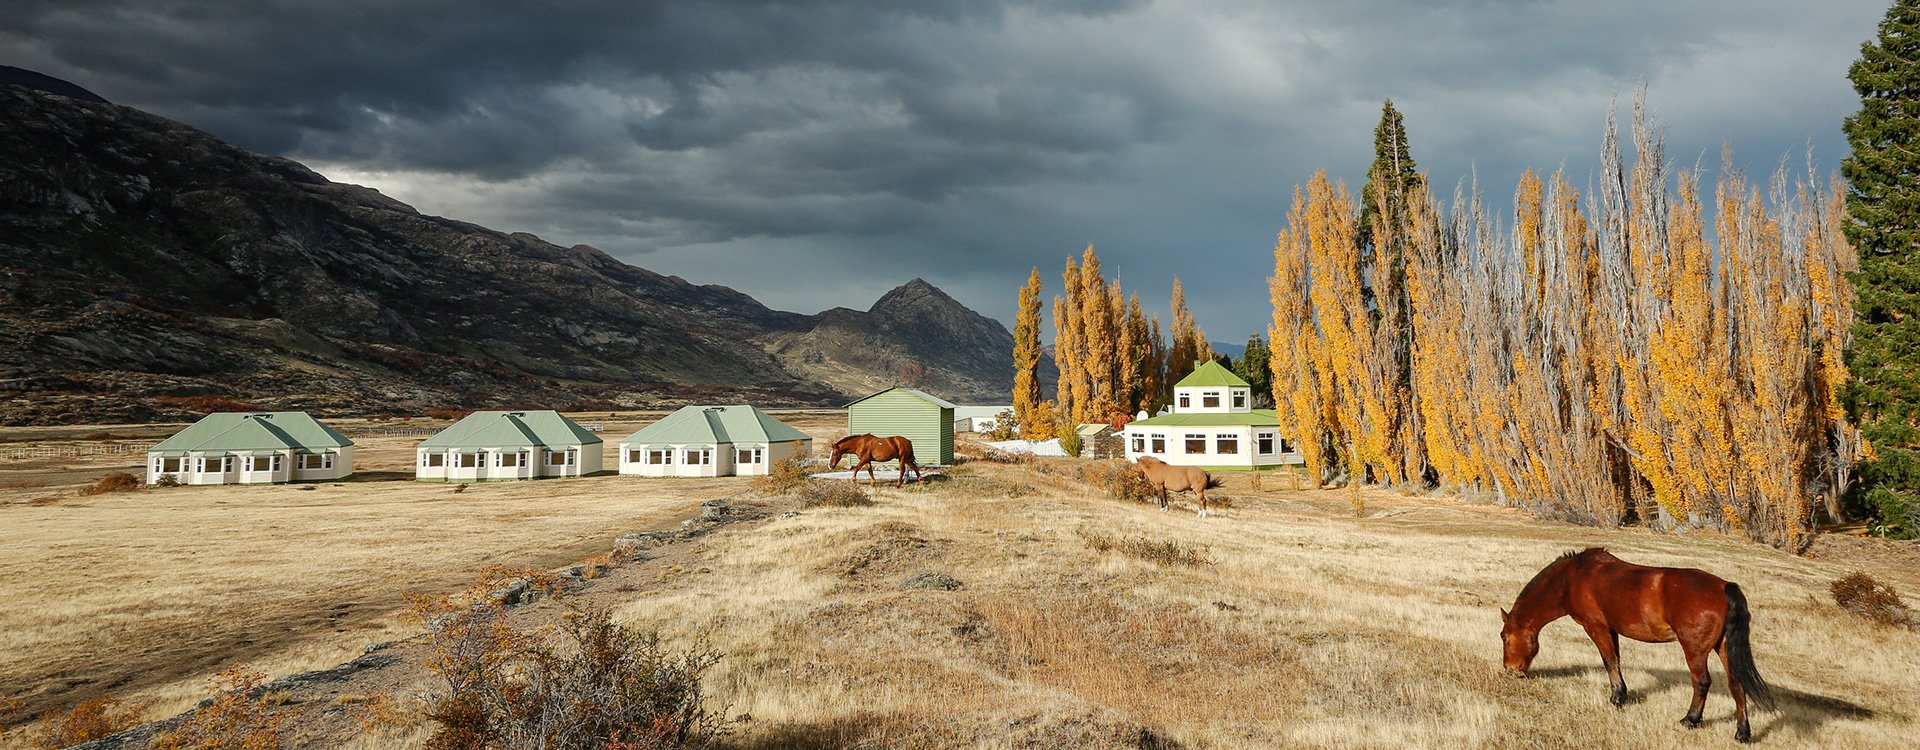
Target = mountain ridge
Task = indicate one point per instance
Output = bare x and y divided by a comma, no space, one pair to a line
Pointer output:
146,264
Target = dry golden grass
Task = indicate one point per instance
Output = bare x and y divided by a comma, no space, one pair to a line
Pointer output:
1310,628
153,592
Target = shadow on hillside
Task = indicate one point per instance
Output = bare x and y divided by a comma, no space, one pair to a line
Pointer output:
827,734
1800,713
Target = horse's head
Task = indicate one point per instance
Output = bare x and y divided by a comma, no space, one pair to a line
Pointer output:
842,447
1518,643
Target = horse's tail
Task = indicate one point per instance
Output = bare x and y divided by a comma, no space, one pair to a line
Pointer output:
1740,651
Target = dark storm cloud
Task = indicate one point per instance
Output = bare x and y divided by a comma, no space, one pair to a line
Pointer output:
817,153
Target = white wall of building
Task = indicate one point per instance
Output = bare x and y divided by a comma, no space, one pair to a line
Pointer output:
265,468
707,459
1171,444
505,463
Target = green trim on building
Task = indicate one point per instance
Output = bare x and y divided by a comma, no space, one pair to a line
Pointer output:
1210,373
739,424
511,429
239,433
1255,418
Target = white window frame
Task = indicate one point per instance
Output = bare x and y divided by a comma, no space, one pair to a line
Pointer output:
659,456
698,456
1264,443
636,455
468,461
1209,399
1187,441
1159,442
1186,400
566,458
1139,443
1222,440
433,460
752,456
326,461
1239,399
179,465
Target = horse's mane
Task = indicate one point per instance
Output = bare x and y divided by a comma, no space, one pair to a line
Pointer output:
1559,563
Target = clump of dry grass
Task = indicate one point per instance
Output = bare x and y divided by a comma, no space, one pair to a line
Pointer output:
238,718
1866,597
1163,552
834,495
88,721
101,436
118,481
784,477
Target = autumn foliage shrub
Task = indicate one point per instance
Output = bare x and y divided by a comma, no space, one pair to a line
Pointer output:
88,721
784,477
1120,482
1866,597
118,481
239,717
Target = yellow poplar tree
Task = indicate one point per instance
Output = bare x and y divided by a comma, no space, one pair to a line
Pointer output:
1026,356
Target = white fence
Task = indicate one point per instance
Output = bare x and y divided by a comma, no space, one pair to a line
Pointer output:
398,432
71,451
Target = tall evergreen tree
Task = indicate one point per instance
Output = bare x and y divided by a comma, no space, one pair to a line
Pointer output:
1883,175
1383,235
1253,368
1026,356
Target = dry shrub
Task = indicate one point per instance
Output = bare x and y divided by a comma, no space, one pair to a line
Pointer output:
206,404
784,477
1167,552
118,481
1860,594
167,480
1120,481
833,494
9,711
446,412
238,718
88,721
590,685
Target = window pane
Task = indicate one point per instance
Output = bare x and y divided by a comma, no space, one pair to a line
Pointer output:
1227,445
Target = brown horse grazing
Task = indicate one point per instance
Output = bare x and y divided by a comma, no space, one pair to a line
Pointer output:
870,449
1165,477
1611,598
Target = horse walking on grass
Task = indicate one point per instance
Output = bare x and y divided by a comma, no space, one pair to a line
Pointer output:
870,449
1166,477
1611,598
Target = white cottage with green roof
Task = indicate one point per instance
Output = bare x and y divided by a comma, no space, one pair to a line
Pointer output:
1212,425
252,448
712,441
922,418
488,446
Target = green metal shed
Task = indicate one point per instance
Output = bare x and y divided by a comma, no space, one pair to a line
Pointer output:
922,418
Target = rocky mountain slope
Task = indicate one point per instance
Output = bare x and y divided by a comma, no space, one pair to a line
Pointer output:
148,270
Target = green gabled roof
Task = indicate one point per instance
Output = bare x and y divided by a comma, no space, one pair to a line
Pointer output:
512,429
1210,373
922,395
254,431
1255,418
738,423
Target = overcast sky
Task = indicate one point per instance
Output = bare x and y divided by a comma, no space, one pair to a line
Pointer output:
818,154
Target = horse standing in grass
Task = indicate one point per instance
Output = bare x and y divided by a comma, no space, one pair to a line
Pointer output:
870,449
1166,477
1612,598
